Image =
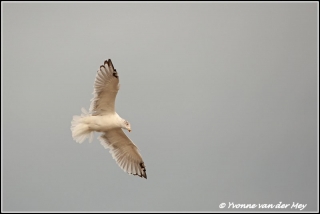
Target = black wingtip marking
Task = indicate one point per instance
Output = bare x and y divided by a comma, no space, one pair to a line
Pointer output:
109,63
142,166
115,74
144,175
144,170
141,176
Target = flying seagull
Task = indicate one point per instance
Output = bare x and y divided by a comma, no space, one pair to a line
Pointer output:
103,118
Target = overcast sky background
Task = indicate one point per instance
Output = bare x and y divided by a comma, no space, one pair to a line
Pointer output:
221,97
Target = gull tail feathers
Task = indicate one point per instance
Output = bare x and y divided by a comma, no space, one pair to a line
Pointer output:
80,129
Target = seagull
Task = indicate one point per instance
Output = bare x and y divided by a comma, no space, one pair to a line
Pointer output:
103,118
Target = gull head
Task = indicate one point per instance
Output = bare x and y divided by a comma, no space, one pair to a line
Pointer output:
126,125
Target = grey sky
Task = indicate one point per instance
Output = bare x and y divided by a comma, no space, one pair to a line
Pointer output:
221,97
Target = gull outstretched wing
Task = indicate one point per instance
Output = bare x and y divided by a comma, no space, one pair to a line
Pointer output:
106,87
124,151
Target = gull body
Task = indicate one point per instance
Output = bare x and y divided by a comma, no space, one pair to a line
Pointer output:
104,123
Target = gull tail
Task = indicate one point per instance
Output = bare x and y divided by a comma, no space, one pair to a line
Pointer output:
80,130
